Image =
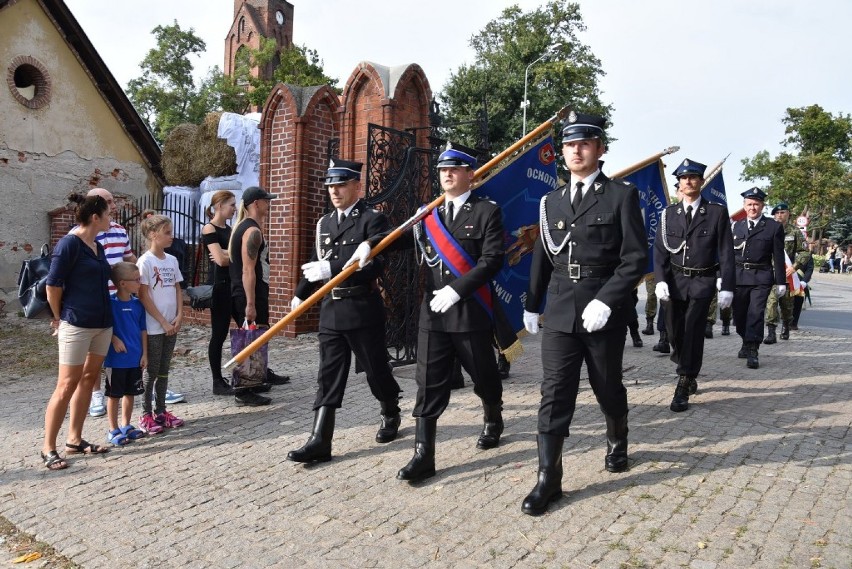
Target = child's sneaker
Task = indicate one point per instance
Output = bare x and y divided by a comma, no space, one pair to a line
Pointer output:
148,424
168,420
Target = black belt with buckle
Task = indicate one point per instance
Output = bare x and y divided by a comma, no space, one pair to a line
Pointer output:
339,293
750,266
577,271
696,272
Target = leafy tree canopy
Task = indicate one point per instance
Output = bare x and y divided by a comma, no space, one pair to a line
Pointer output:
817,177
166,94
505,48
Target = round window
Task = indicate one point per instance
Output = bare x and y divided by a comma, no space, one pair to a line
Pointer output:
29,82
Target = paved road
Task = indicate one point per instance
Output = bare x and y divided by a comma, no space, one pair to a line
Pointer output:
756,474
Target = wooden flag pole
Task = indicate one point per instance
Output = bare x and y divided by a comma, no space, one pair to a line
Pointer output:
393,236
639,165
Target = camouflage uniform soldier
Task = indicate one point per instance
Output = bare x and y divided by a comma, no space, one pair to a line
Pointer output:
794,246
650,304
724,313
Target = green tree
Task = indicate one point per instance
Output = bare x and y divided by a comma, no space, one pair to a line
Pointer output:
165,94
816,175
568,75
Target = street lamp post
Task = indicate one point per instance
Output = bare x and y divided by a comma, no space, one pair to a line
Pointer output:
525,103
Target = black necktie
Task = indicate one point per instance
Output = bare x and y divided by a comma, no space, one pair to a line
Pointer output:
578,197
449,213
750,225
341,219
688,215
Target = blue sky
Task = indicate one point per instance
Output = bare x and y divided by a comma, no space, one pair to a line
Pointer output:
711,77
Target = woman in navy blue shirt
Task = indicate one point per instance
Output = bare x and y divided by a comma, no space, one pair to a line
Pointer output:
82,319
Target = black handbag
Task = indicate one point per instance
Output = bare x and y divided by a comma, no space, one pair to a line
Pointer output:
200,297
32,281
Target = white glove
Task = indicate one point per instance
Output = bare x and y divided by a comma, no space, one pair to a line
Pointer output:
362,255
726,297
595,315
662,291
294,304
804,284
782,290
718,283
317,271
531,322
444,299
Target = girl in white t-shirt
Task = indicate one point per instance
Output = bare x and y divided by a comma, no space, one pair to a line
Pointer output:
162,298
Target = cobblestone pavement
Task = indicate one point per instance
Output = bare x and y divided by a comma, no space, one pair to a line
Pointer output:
756,474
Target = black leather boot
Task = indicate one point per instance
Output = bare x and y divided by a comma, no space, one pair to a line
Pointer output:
634,334
503,366
493,428
770,335
422,464
751,360
692,386
726,327
649,327
743,353
222,387
318,447
548,488
616,444
708,331
680,401
785,330
390,422
663,345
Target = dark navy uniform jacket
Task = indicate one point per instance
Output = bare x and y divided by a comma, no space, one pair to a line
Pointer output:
337,245
764,246
704,245
606,232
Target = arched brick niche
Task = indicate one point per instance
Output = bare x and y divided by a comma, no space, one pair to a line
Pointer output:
28,81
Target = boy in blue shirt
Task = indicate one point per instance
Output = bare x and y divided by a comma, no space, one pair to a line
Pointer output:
128,354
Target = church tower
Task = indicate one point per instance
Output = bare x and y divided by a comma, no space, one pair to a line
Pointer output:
253,19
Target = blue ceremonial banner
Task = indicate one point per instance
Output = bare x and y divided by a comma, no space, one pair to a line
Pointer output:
714,190
518,187
650,180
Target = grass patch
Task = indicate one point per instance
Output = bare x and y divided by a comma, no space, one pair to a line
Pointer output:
27,350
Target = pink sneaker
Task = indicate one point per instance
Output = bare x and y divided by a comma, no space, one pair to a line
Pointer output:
168,420
148,424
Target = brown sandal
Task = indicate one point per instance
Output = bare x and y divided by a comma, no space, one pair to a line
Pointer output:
53,461
85,447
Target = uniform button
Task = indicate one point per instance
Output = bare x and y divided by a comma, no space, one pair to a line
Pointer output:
336,243
335,256
574,243
446,272
573,225
576,281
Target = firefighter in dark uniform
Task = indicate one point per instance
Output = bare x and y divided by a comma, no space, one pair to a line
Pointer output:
352,317
461,243
759,257
588,260
693,245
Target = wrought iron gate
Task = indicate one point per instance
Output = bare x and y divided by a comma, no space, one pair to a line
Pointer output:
399,180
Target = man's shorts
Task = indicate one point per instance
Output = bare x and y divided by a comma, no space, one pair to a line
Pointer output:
124,381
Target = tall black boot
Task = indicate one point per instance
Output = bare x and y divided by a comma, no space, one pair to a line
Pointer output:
493,428
752,362
616,444
649,327
318,447
663,345
680,401
743,353
390,422
785,330
548,488
422,464
634,334
770,334
708,330
726,327
222,387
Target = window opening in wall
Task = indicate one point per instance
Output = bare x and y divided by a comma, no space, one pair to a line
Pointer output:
26,79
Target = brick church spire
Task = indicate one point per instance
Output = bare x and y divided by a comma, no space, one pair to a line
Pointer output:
253,19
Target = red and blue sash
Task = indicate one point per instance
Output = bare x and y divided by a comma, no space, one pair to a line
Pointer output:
453,256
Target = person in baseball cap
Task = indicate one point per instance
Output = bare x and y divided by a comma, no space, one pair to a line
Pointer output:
254,193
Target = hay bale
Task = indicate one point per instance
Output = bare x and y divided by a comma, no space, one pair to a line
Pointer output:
179,156
193,152
213,155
